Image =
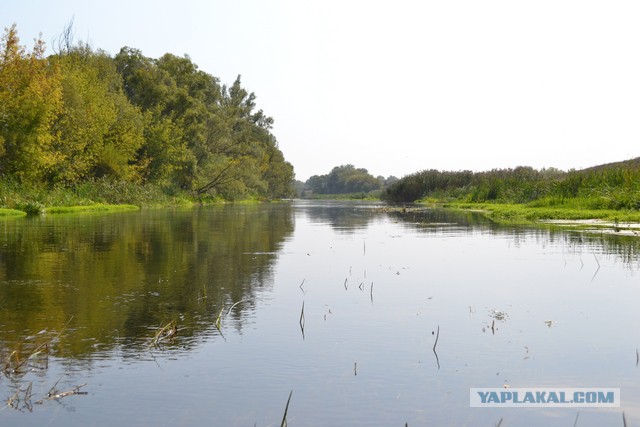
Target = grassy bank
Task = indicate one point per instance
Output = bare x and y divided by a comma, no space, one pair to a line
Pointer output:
11,213
90,208
89,196
528,213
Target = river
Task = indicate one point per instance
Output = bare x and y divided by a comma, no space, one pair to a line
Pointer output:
364,316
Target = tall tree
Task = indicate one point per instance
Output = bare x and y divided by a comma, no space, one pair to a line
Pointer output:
99,132
30,100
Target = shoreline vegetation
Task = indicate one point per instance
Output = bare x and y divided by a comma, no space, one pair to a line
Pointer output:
82,127
607,195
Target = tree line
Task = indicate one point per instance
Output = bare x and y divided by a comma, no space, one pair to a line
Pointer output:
81,114
345,179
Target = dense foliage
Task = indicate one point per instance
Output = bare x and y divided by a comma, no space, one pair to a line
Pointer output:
346,179
612,186
81,115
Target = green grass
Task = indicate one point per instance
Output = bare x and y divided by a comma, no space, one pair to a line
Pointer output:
11,213
529,213
90,208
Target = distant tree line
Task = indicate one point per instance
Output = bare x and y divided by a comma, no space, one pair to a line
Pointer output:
345,179
613,186
81,114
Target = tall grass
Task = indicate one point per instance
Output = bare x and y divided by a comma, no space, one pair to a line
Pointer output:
615,187
34,198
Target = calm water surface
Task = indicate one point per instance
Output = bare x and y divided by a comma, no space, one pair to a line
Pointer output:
82,298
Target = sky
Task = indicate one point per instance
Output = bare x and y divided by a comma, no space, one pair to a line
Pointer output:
398,86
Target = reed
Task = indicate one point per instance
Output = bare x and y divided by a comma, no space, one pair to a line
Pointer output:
218,322
165,333
301,321
434,347
286,409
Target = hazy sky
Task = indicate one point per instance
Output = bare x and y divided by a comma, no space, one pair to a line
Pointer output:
398,86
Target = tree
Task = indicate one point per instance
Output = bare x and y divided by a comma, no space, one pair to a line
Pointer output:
30,100
99,132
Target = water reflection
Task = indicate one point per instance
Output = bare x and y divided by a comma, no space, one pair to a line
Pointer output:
108,279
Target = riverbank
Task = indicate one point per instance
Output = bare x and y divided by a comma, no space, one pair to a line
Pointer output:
18,199
505,213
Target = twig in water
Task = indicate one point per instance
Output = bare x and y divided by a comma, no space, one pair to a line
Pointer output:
575,423
598,269
64,328
499,423
301,284
355,368
231,308
624,420
218,323
361,286
345,284
167,332
637,357
286,409
434,347
27,397
302,320
54,394
364,247
204,293
371,291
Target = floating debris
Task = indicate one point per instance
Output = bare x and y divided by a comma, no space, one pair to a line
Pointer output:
499,315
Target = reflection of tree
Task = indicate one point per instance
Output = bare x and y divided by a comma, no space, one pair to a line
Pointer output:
118,275
342,216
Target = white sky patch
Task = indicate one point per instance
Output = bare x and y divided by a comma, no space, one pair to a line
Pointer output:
399,86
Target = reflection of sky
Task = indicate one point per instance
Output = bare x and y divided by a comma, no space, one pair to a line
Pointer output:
366,357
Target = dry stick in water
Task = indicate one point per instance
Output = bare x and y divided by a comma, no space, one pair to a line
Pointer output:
598,269
371,291
434,347
286,409
231,308
302,320
218,323
637,357
345,284
624,420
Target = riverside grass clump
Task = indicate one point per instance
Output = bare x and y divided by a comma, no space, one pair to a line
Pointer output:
527,213
96,195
